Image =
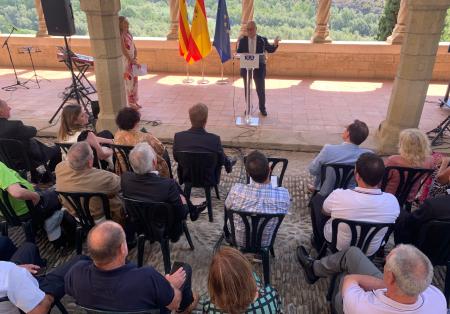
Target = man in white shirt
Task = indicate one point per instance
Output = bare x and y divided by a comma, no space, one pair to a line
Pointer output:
403,287
19,289
365,203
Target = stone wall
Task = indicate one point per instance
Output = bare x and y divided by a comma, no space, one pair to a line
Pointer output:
353,60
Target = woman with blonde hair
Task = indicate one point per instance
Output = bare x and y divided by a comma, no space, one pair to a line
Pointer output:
414,152
74,129
234,288
129,58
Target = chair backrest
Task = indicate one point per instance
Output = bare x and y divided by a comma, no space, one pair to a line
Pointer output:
362,233
196,167
343,174
273,162
154,218
434,241
408,178
80,202
95,311
66,146
14,156
254,224
121,160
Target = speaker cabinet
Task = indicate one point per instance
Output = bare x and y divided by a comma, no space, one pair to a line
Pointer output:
58,17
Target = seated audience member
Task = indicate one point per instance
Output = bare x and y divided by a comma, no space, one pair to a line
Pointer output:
39,153
257,197
366,203
107,282
144,184
408,225
346,153
403,287
73,128
196,139
33,295
441,181
76,174
414,152
234,288
128,134
46,204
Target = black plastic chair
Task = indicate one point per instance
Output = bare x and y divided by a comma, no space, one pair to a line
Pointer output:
96,311
408,178
57,303
97,163
434,242
14,155
12,220
155,221
273,161
254,229
80,201
362,235
121,161
196,168
343,175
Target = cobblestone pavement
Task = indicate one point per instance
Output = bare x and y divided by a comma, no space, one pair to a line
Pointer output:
286,274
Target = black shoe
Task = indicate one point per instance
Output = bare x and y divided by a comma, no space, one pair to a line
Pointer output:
307,264
263,112
195,212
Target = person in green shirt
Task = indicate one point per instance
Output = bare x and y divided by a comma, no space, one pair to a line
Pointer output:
46,203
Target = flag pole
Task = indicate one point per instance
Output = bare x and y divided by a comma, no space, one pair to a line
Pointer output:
187,80
203,80
222,81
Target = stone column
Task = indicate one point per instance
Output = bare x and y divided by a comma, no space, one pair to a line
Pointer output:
174,12
42,27
398,33
103,26
424,26
247,15
322,32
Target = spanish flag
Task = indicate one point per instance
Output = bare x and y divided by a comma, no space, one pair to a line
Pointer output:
199,41
183,30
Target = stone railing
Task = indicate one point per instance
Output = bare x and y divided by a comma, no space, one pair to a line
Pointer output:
351,60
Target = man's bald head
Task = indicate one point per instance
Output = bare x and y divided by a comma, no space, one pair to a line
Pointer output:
251,29
104,242
79,155
4,109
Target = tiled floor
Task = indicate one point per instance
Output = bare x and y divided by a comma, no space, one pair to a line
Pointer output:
297,106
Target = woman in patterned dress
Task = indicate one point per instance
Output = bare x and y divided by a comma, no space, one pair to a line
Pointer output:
129,59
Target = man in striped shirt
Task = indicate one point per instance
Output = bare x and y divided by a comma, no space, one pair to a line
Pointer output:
257,197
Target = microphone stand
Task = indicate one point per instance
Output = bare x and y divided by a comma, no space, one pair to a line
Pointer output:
18,82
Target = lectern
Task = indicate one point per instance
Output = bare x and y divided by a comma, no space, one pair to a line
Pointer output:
249,61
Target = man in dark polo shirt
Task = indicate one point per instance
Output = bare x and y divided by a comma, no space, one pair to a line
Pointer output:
108,283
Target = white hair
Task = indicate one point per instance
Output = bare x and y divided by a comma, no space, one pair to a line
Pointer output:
79,154
142,157
412,269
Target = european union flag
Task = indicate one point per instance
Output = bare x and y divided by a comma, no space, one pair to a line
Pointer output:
222,35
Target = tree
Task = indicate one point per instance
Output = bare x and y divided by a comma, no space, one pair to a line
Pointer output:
388,19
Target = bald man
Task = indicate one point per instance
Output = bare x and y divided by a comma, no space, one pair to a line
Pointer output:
253,43
39,153
108,282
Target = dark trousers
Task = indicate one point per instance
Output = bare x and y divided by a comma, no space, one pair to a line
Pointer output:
42,154
259,77
186,289
27,253
318,219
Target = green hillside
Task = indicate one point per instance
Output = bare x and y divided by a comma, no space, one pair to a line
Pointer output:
290,19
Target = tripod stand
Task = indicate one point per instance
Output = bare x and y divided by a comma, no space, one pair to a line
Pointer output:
35,77
18,82
77,92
